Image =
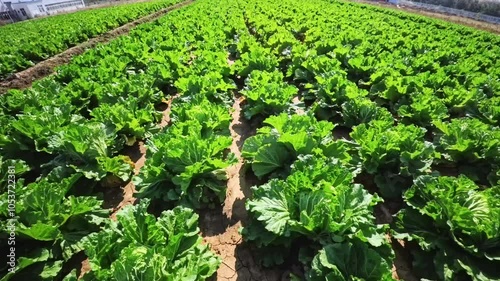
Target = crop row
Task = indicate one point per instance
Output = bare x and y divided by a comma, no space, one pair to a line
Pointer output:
26,43
351,116
68,138
416,121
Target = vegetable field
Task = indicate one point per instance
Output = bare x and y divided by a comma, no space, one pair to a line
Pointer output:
26,43
370,139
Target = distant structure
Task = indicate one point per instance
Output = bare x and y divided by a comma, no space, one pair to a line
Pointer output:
490,7
18,10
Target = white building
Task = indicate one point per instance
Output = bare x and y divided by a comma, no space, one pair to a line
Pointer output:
28,9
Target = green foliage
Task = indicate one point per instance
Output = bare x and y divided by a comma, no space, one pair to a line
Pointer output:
277,145
267,94
361,110
317,201
40,41
393,153
384,145
50,223
88,148
139,246
455,222
211,85
489,110
214,118
128,118
367,73
424,108
334,262
467,139
187,161
255,58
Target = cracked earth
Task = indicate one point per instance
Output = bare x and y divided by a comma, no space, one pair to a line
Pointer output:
220,227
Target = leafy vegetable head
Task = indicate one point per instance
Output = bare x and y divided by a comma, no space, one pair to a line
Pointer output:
277,146
349,261
455,222
318,202
139,246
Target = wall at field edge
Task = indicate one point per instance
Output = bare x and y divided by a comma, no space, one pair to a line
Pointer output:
452,11
34,8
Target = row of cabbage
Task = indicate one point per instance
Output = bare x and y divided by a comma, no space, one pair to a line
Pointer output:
413,105
29,42
65,140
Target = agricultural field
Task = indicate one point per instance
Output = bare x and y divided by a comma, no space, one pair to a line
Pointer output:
337,141
25,43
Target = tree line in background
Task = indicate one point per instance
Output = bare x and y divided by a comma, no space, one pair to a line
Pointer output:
488,7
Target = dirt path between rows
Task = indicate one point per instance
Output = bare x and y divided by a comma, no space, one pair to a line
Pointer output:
25,78
220,227
116,200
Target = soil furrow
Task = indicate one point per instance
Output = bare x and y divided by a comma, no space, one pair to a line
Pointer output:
220,227
25,78
137,154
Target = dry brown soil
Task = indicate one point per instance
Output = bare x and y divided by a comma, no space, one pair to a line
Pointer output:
220,227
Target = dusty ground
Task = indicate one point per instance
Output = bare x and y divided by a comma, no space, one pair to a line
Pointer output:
25,78
402,269
220,227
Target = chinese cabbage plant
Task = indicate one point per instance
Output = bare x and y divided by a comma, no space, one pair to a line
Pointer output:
456,223
186,163
319,205
139,246
393,153
50,225
266,94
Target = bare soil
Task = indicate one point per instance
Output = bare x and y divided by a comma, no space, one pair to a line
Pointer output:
220,227
25,78
166,112
136,153
401,267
